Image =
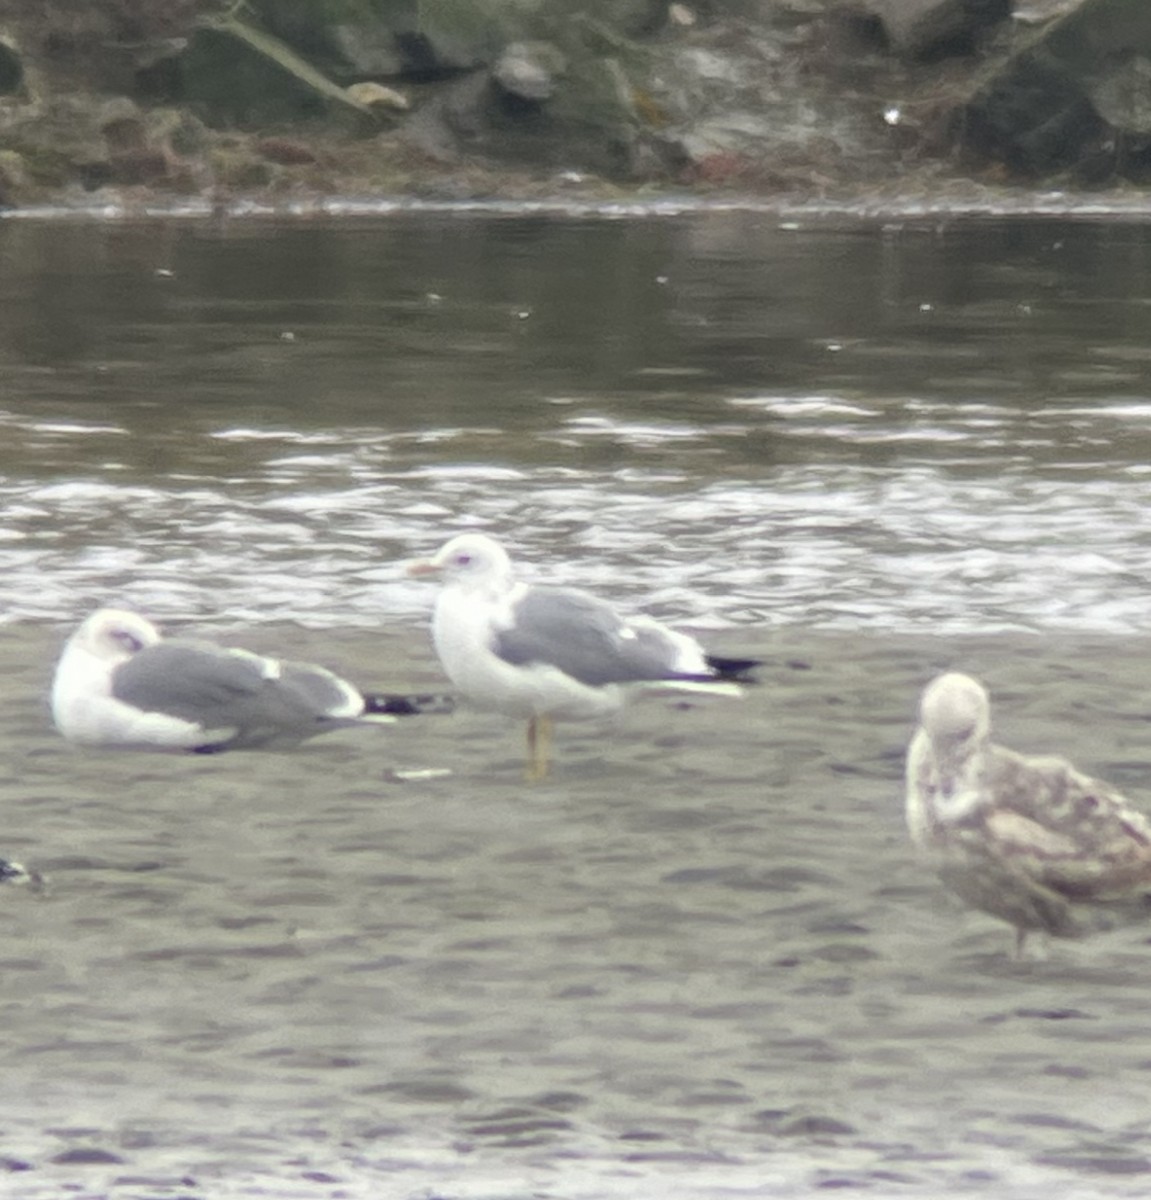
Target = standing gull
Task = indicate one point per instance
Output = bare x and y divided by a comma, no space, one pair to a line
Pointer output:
1029,840
551,652
118,683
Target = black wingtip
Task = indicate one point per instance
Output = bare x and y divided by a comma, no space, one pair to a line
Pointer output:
14,872
11,871
737,670
408,705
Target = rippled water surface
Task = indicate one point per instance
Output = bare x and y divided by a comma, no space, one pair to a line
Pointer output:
701,960
729,417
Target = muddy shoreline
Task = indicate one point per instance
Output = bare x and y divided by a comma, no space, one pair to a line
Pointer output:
700,958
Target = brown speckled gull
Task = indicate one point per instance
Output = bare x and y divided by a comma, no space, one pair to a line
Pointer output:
1030,840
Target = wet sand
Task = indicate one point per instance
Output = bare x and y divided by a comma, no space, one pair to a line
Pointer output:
700,961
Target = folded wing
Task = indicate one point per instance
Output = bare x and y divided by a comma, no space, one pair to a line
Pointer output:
260,700
586,639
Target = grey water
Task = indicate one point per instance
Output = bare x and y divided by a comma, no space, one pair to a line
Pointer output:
726,417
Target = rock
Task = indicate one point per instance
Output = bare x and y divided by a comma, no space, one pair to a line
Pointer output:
11,66
361,39
529,70
453,37
347,39
714,102
236,166
556,104
1122,97
64,139
286,152
122,124
227,83
140,148
930,28
364,48
356,39
732,93
1064,94
632,18
725,137
449,124
721,100
15,182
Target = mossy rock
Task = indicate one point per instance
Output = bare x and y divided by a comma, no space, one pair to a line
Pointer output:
632,18
11,66
16,185
348,39
235,74
352,40
1055,99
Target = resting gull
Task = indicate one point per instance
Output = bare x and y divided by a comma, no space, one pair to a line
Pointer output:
553,652
1028,840
119,683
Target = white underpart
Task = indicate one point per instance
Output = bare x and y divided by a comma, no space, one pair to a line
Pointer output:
465,624
936,795
946,759
85,710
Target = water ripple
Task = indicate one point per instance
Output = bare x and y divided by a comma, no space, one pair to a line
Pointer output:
321,537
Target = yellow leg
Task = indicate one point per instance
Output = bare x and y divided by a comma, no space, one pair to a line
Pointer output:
539,748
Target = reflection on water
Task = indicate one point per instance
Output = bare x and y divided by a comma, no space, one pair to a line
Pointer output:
932,426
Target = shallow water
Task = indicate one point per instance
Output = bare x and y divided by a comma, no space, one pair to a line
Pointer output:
701,961
732,419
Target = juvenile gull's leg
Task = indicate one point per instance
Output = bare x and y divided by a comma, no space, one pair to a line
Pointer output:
539,747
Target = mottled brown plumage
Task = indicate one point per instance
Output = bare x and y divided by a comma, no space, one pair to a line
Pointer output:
1032,841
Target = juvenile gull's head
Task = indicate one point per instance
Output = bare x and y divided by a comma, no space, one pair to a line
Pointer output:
954,709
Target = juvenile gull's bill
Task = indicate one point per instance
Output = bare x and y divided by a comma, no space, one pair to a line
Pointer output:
1030,840
120,684
546,653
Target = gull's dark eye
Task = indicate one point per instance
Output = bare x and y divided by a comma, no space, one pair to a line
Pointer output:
129,641
462,560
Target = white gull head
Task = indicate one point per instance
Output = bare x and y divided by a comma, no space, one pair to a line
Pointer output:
955,712
946,760
113,635
472,561
82,686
